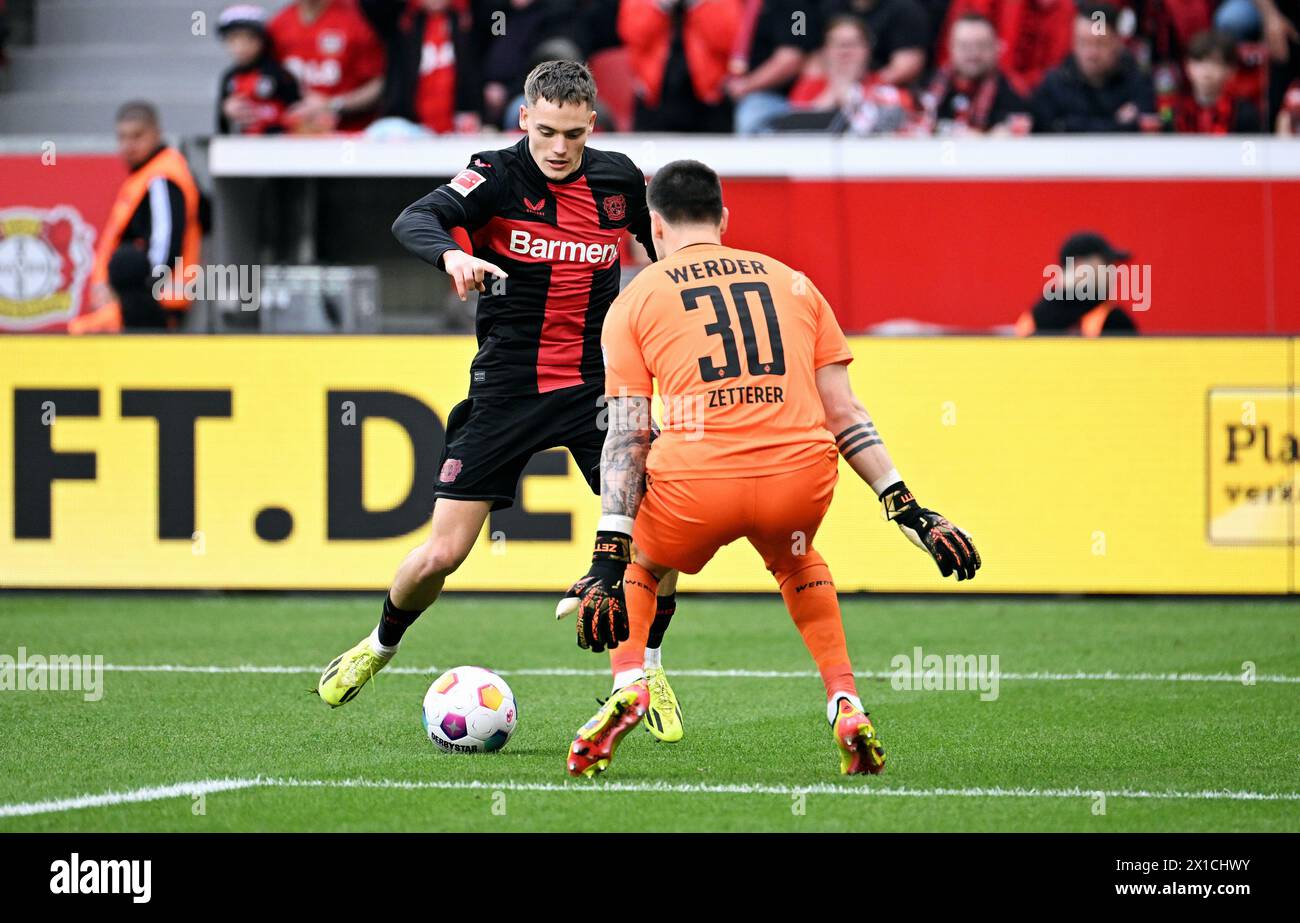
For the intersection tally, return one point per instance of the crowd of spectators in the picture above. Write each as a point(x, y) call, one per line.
point(917, 67)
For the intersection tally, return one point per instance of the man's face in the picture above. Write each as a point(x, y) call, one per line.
point(1208, 77)
point(136, 140)
point(1088, 272)
point(973, 48)
point(847, 52)
point(1096, 54)
point(557, 135)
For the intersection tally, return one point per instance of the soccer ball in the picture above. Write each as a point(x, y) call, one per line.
point(469, 710)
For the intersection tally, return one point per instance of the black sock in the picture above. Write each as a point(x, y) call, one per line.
point(665, 606)
point(394, 622)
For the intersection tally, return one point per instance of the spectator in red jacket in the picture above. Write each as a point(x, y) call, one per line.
point(679, 51)
point(338, 60)
point(970, 94)
point(1208, 106)
point(1035, 35)
point(861, 103)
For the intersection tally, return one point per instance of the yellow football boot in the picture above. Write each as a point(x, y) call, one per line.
point(348, 672)
point(663, 718)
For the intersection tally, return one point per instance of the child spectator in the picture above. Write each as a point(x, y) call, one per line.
point(1207, 106)
point(256, 92)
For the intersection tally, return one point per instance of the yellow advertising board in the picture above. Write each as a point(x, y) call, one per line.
point(1110, 466)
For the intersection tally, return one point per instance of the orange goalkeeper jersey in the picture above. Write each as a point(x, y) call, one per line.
point(734, 339)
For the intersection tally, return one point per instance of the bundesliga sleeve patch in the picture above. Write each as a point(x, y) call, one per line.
point(466, 181)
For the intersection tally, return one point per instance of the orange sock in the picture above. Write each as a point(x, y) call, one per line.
point(815, 607)
point(639, 591)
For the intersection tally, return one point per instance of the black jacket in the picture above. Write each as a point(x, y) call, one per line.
point(1060, 316)
point(1065, 102)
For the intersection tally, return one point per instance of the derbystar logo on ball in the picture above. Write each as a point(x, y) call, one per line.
point(469, 710)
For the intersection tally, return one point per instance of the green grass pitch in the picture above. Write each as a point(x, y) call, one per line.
point(1188, 754)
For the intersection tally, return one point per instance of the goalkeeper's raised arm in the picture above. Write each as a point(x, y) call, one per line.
point(864, 450)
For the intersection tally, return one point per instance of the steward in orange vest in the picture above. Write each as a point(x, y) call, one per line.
point(1089, 316)
point(154, 223)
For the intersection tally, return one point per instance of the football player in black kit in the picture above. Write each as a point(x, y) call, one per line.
point(545, 216)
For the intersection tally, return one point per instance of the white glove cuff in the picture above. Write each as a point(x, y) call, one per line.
point(888, 479)
point(613, 522)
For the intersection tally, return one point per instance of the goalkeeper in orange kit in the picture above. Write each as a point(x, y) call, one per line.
point(752, 373)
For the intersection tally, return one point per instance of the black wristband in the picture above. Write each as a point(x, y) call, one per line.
point(612, 547)
point(898, 501)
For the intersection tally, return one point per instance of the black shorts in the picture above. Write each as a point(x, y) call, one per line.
point(491, 439)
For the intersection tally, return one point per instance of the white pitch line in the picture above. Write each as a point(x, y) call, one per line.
point(135, 796)
point(209, 786)
point(1036, 676)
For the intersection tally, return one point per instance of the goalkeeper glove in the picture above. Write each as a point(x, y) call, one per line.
point(951, 548)
point(602, 610)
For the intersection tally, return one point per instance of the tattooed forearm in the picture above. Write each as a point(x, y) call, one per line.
point(622, 461)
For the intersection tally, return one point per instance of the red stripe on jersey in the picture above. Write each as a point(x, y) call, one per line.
point(559, 349)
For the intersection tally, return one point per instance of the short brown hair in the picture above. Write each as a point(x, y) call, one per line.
point(137, 110)
point(561, 83)
point(1213, 43)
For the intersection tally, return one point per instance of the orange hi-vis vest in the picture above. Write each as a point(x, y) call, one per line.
point(1089, 325)
point(167, 164)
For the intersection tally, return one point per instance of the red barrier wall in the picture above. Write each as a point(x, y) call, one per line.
point(970, 254)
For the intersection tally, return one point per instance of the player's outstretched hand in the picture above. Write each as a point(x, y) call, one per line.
point(467, 272)
point(598, 596)
point(951, 548)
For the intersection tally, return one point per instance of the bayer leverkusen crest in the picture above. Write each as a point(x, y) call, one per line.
point(45, 258)
point(615, 207)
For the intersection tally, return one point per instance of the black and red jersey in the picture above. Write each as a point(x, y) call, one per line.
point(268, 86)
point(538, 330)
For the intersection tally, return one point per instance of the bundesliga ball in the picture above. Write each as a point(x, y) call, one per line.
point(469, 710)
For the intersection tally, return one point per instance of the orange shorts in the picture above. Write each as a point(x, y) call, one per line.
point(682, 523)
